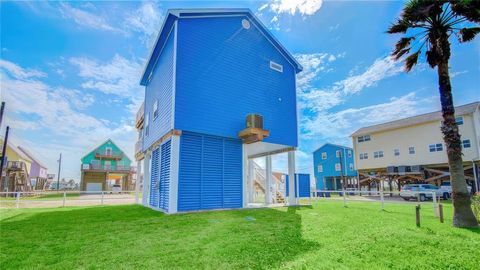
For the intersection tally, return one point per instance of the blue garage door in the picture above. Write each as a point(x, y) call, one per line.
point(304, 184)
point(210, 173)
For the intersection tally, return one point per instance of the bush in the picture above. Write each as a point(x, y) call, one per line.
point(476, 205)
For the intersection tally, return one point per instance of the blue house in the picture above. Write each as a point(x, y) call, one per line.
point(208, 71)
point(330, 163)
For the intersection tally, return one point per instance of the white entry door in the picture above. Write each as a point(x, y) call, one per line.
point(94, 187)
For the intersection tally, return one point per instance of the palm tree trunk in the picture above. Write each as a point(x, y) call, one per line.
point(462, 211)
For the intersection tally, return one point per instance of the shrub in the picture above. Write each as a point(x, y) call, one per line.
point(476, 205)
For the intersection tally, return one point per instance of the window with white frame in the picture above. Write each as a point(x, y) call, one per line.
point(146, 124)
point(459, 120)
point(324, 155)
point(396, 152)
point(320, 168)
point(337, 153)
point(438, 147)
point(363, 155)
point(378, 154)
point(155, 109)
point(349, 153)
point(337, 167)
point(276, 66)
point(350, 166)
point(364, 138)
point(466, 144)
point(411, 150)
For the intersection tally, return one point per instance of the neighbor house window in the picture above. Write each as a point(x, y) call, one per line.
point(364, 138)
point(435, 147)
point(466, 143)
point(324, 155)
point(108, 151)
point(337, 153)
point(411, 150)
point(276, 66)
point(320, 168)
point(364, 156)
point(378, 154)
point(459, 120)
point(349, 153)
point(396, 152)
point(350, 166)
point(155, 109)
point(337, 167)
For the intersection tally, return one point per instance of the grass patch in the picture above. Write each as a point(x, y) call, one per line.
point(325, 236)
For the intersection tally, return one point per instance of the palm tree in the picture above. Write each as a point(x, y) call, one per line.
point(427, 26)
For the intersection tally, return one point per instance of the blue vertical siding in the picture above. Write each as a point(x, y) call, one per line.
point(161, 88)
point(154, 185)
point(329, 164)
point(224, 74)
point(165, 176)
point(210, 172)
point(303, 185)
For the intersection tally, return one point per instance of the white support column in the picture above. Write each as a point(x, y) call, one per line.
point(291, 178)
point(250, 181)
point(245, 177)
point(146, 179)
point(174, 168)
point(137, 181)
point(268, 180)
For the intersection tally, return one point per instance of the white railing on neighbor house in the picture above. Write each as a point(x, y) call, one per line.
point(106, 167)
point(35, 199)
point(377, 196)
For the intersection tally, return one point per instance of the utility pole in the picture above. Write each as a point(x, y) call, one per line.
point(2, 162)
point(1, 112)
point(58, 176)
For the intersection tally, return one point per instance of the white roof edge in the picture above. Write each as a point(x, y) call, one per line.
point(416, 119)
point(338, 145)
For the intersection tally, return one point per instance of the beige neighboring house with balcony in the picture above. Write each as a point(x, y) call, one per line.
point(139, 155)
point(412, 149)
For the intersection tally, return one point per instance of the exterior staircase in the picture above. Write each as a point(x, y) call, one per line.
point(277, 184)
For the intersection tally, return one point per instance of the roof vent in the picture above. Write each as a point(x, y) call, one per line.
point(245, 24)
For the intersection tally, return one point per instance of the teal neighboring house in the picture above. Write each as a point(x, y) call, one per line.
point(105, 167)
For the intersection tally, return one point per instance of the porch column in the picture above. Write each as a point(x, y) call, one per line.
point(291, 178)
point(146, 179)
point(268, 180)
point(137, 181)
point(250, 180)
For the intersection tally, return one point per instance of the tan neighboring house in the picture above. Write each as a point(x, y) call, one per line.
point(412, 149)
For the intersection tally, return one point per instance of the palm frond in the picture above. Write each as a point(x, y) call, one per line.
point(411, 61)
point(469, 9)
point(468, 34)
point(401, 26)
point(402, 44)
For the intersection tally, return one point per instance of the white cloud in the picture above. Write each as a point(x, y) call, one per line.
point(456, 73)
point(147, 20)
point(58, 115)
point(313, 64)
point(87, 19)
point(292, 7)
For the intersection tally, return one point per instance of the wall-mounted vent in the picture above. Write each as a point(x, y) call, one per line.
point(276, 66)
point(245, 24)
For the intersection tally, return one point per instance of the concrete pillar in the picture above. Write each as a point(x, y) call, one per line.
point(146, 179)
point(268, 180)
point(251, 180)
point(291, 178)
point(137, 181)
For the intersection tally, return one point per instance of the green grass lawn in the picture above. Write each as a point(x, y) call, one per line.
point(325, 236)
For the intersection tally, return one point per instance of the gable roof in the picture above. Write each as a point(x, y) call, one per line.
point(174, 14)
point(32, 157)
point(415, 120)
point(337, 145)
point(108, 140)
point(16, 149)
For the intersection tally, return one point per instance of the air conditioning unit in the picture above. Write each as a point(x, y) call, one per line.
point(254, 121)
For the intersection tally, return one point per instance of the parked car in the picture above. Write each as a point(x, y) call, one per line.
point(445, 190)
point(422, 192)
point(116, 188)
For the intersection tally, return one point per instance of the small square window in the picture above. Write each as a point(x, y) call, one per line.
point(320, 168)
point(361, 156)
point(350, 166)
point(396, 152)
point(439, 147)
point(155, 109)
point(431, 147)
point(337, 167)
point(459, 120)
point(349, 153)
point(411, 150)
point(466, 144)
point(366, 138)
point(324, 155)
point(337, 153)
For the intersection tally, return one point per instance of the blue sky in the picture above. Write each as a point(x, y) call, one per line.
point(70, 71)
